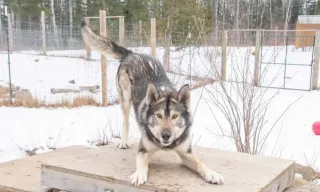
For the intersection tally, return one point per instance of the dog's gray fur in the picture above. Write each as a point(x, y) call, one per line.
point(162, 111)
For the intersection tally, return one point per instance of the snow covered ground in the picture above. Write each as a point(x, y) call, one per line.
point(24, 129)
point(40, 74)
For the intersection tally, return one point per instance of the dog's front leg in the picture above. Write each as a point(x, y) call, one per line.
point(141, 174)
point(192, 162)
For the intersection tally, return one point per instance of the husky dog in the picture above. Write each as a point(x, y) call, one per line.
point(161, 111)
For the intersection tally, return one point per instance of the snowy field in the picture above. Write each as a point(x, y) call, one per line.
point(24, 129)
point(40, 74)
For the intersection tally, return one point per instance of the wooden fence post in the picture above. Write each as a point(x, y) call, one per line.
point(103, 32)
point(224, 42)
point(43, 27)
point(1, 40)
point(257, 58)
point(315, 67)
point(153, 40)
point(140, 32)
point(87, 20)
point(121, 31)
point(10, 32)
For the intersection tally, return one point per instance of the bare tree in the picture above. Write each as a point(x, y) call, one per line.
point(288, 15)
point(243, 105)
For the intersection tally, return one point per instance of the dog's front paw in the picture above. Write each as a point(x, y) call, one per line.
point(139, 177)
point(123, 144)
point(212, 177)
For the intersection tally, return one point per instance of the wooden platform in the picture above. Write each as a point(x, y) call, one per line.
point(80, 169)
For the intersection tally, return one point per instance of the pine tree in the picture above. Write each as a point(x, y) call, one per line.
point(296, 10)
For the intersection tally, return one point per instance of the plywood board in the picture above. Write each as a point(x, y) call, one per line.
point(108, 166)
point(242, 172)
point(23, 175)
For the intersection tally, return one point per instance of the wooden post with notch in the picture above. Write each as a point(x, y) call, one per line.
point(224, 42)
point(315, 67)
point(43, 27)
point(153, 40)
point(10, 32)
point(87, 20)
point(103, 32)
point(257, 58)
point(121, 31)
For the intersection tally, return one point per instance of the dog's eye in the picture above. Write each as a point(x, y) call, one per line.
point(175, 116)
point(159, 115)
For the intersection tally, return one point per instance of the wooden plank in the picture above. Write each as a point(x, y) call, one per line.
point(153, 37)
point(110, 166)
point(242, 172)
point(23, 175)
point(64, 90)
point(71, 182)
point(103, 32)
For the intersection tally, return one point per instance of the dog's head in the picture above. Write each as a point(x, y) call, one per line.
point(168, 114)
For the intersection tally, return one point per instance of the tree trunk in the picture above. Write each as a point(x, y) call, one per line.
point(271, 19)
point(55, 30)
point(288, 14)
point(216, 20)
point(237, 4)
point(70, 18)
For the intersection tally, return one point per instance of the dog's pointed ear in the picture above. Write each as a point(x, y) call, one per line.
point(184, 95)
point(152, 94)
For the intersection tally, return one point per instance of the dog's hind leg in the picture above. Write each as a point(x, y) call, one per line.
point(124, 91)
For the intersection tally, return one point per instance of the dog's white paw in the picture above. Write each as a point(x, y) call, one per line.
point(123, 144)
point(139, 177)
point(212, 177)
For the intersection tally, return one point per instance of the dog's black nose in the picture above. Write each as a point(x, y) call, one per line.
point(165, 135)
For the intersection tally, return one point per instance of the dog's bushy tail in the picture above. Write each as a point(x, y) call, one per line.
point(104, 45)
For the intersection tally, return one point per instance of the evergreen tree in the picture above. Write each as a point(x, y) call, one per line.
point(296, 10)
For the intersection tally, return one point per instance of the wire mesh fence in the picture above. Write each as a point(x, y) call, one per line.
point(188, 58)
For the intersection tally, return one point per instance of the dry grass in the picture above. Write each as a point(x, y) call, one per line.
point(84, 101)
point(31, 102)
point(21, 99)
point(105, 136)
point(202, 82)
point(25, 99)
